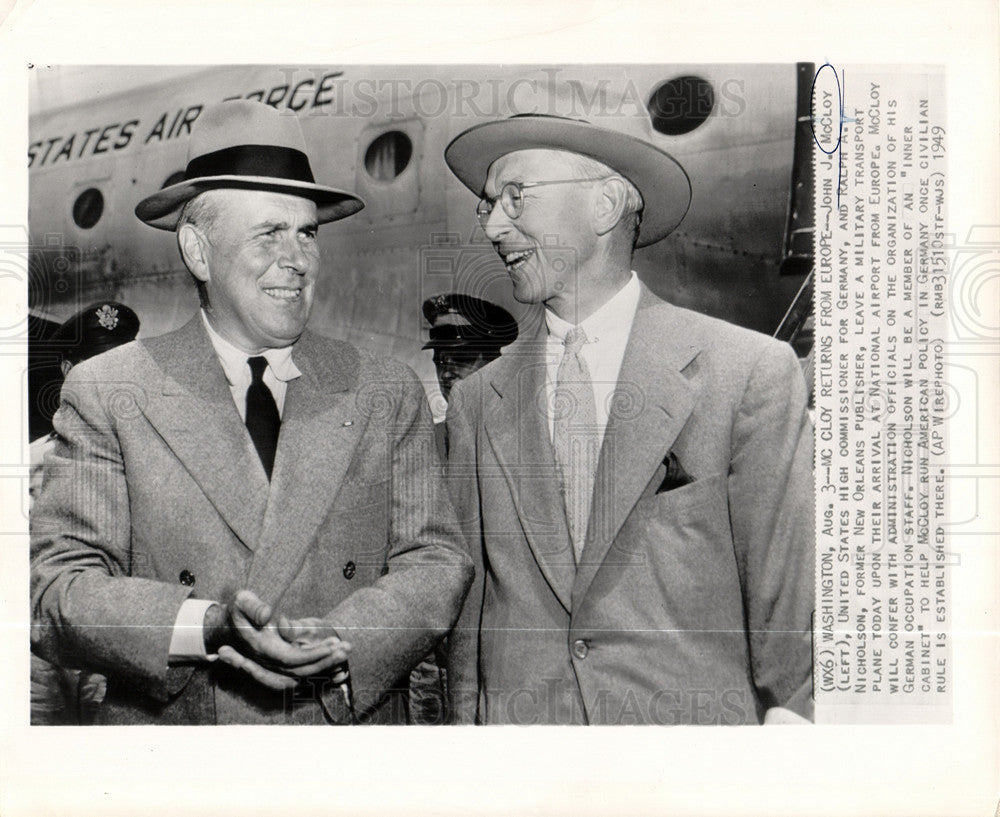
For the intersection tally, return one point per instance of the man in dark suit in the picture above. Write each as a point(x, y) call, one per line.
point(466, 333)
point(235, 509)
point(634, 478)
point(63, 697)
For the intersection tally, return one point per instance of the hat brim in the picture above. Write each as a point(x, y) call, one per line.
point(664, 184)
point(162, 210)
point(473, 344)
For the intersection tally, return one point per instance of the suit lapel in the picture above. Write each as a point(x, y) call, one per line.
point(191, 407)
point(653, 401)
point(320, 428)
point(516, 425)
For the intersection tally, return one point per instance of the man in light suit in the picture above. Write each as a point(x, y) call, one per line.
point(634, 479)
point(243, 522)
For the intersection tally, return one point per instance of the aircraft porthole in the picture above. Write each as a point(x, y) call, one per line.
point(174, 178)
point(680, 105)
point(88, 208)
point(388, 155)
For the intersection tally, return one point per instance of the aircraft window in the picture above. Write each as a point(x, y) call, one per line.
point(681, 104)
point(87, 208)
point(174, 178)
point(388, 155)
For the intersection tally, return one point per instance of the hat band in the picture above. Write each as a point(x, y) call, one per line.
point(462, 333)
point(252, 160)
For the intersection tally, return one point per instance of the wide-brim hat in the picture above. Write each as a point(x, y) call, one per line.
point(664, 184)
point(247, 145)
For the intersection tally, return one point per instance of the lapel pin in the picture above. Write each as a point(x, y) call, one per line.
point(348, 423)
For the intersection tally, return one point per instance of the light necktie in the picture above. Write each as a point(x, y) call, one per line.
point(575, 435)
point(262, 418)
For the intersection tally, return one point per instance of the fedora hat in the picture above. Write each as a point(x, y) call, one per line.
point(625, 148)
point(247, 145)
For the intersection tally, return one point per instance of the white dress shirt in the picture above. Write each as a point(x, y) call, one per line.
point(187, 642)
point(607, 332)
point(37, 451)
point(280, 369)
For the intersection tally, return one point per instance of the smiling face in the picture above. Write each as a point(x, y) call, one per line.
point(545, 247)
point(258, 259)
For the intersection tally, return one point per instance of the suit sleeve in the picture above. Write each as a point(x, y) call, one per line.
point(773, 522)
point(397, 620)
point(86, 608)
point(463, 644)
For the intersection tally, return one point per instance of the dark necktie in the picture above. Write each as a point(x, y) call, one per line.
point(262, 419)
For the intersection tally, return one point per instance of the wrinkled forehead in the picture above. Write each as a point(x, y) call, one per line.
point(246, 206)
point(535, 165)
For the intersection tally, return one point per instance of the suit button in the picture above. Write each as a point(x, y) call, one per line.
point(186, 578)
point(349, 570)
point(580, 648)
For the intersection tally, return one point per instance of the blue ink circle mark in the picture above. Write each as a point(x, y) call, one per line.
point(840, 110)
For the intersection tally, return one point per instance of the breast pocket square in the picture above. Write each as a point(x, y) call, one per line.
point(676, 476)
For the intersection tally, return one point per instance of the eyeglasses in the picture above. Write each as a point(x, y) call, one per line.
point(511, 197)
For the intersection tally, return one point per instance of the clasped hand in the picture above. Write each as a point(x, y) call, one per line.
point(273, 650)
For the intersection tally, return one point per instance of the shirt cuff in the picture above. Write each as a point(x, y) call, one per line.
point(779, 716)
point(187, 643)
